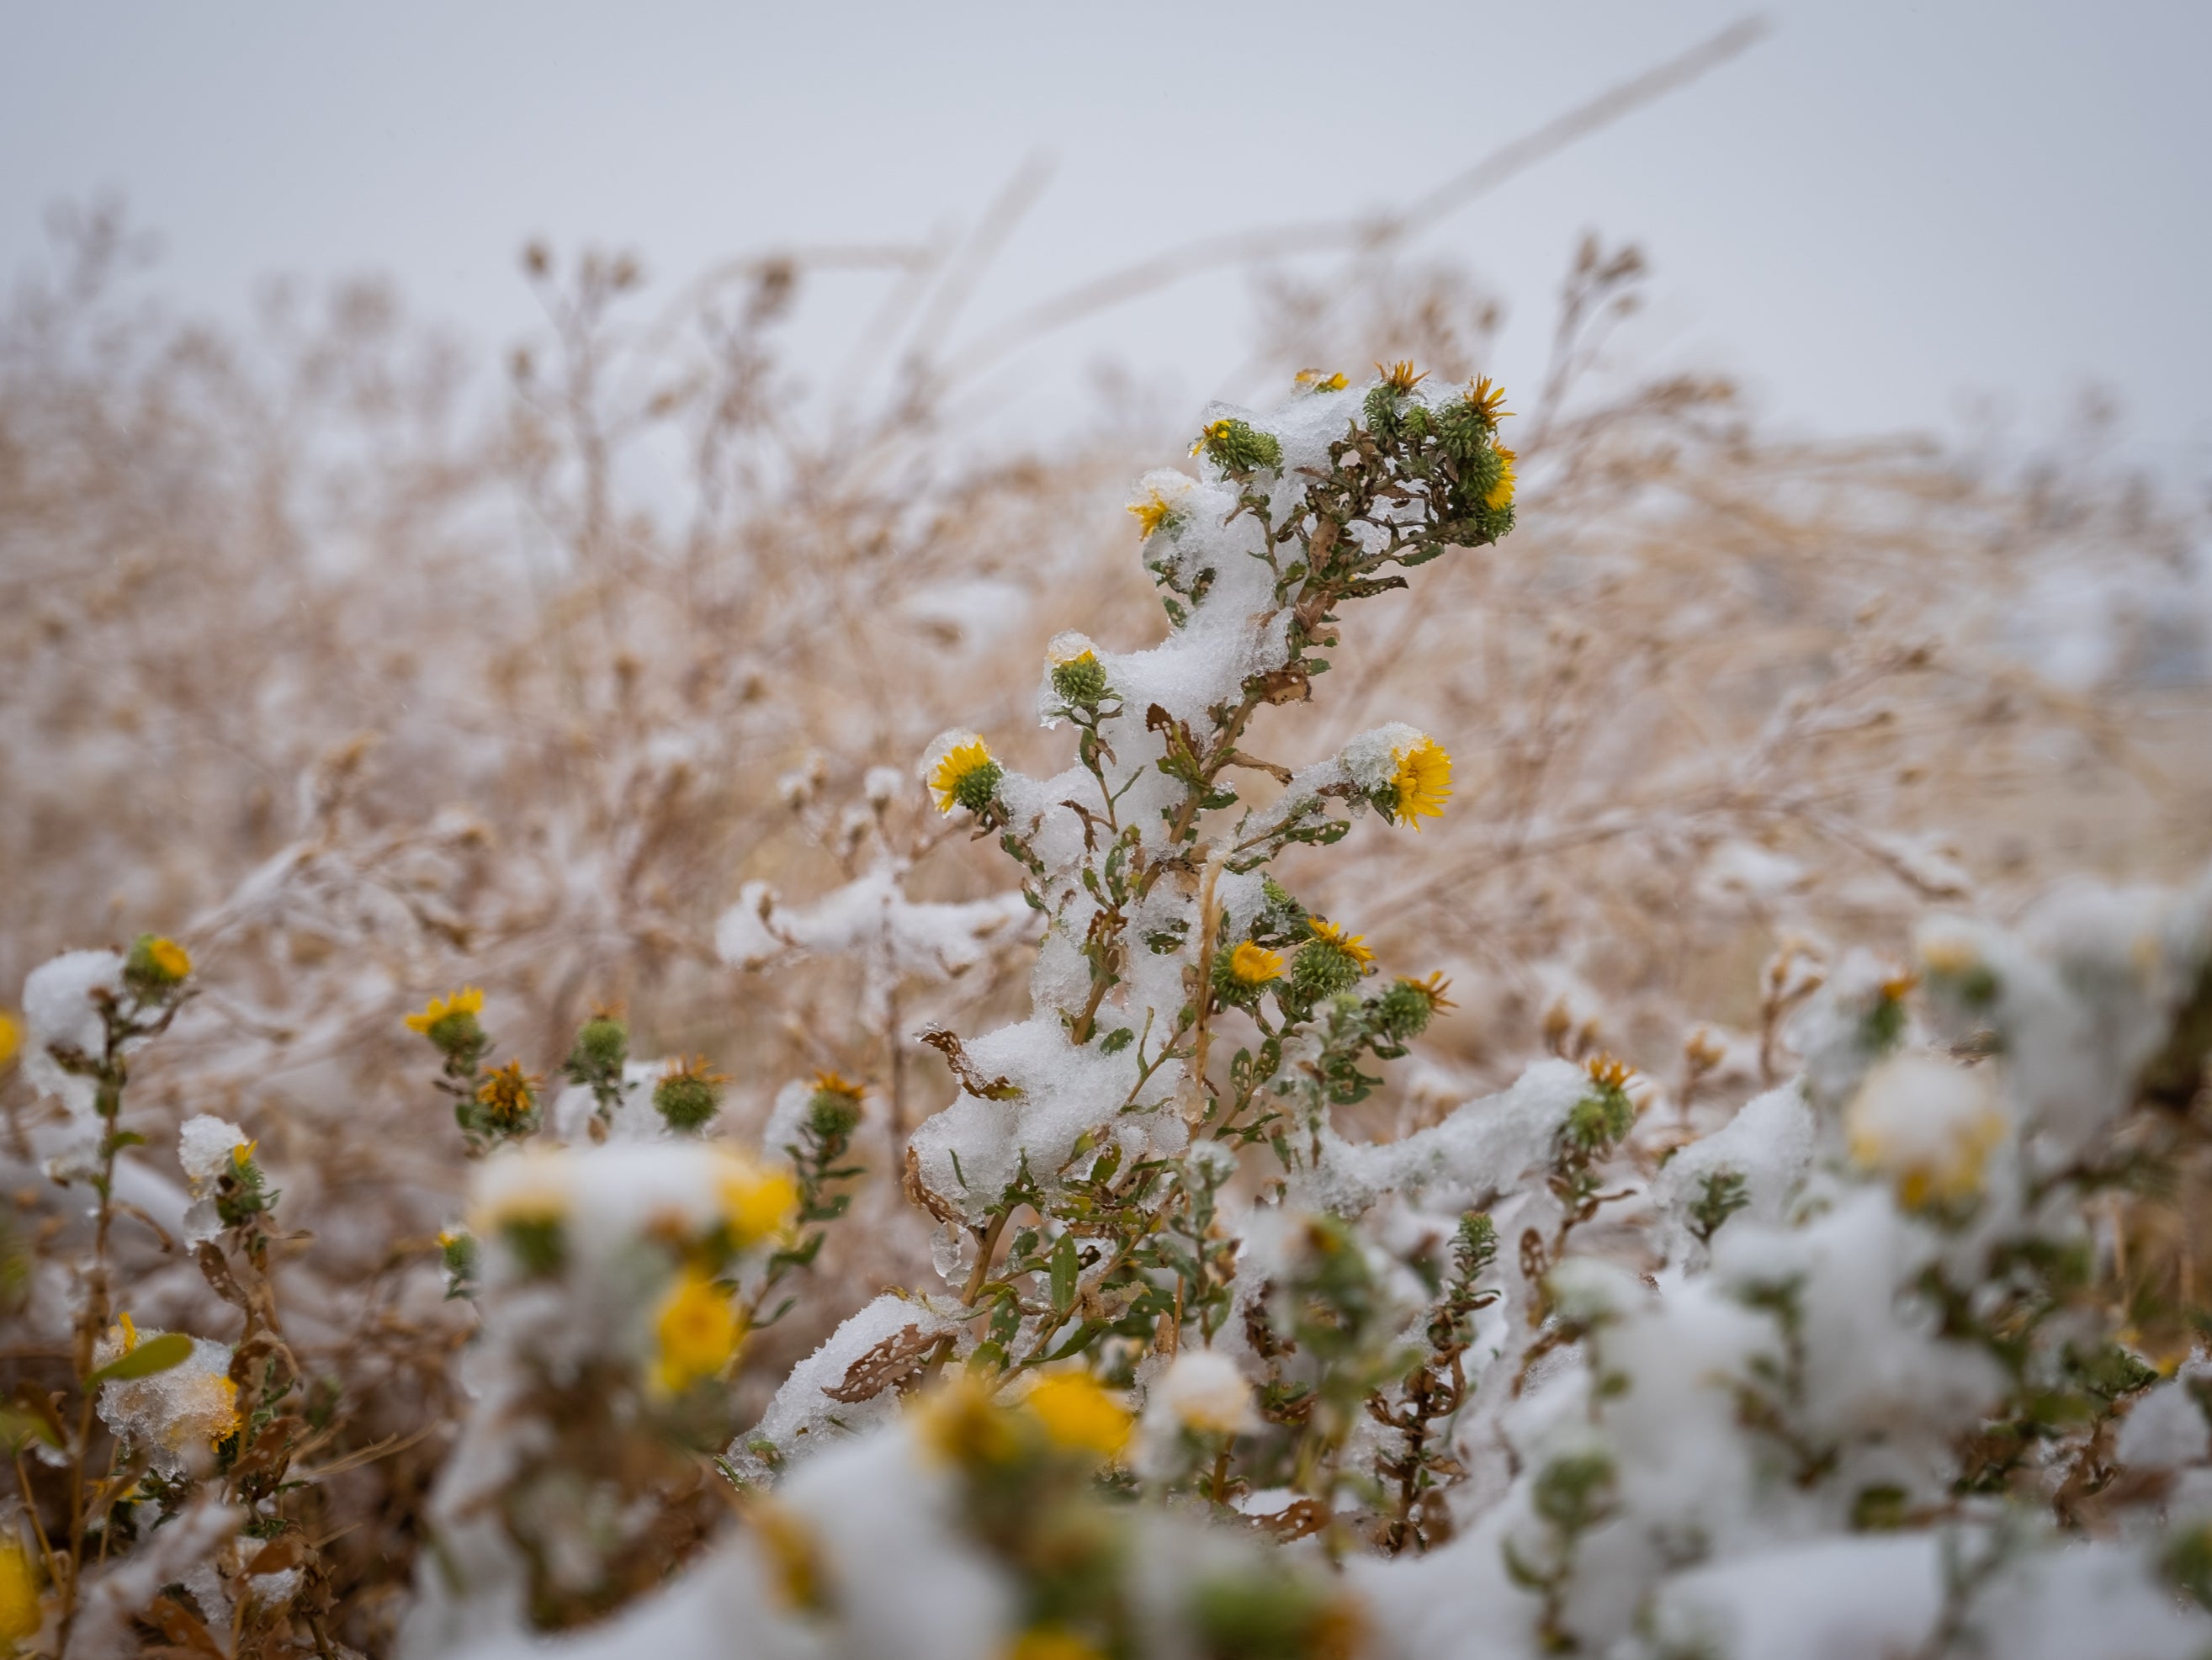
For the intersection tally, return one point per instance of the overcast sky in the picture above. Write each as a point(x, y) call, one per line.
point(1881, 212)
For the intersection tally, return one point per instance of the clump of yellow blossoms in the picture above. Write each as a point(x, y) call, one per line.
point(1314, 381)
point(696, 1333)
point(1421, 782)
point(966, 775)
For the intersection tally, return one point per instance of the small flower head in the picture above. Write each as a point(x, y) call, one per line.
point(1331, 962)
point(450, 1023)
point(11, 1039)
point(965, 774)
point(1421, 781)
point(1254, 965)
point(696, 1332)
point(1499, 495)
point(1317, 380)
point(1079, 679)
point(1487, 400)
point(1237, 446)
point(1406, 1008)
point(1155, 512)
point(758, 1202)
point(1400, 377)
point(1607, 1072)
point(1927, 1126)
point(156, 964)
point(506, 1100)
point(1352, 946)
point(1078, 1413)
point(688, 1097)
point(602, 1046)
point(833, 1111)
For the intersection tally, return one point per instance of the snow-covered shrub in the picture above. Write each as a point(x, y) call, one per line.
point(1588, 1365)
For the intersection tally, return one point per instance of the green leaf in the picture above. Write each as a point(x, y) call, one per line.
point(1063, 1270)
point(171, 1349)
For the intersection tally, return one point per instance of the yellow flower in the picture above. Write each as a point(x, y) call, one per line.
point(1151, 513)
point(1400, 376)
point(1316, 381)
point(1606, 1072)
point(757, 1202)
point(507, 1095)
point(19, 1595)
point(1422, 781)
point(211, 1408)
point(1254, 965)
point(961, 1425)
point(11, 1038)
point(1488, 399)
point(1928, 1125)
point(125, 1332)
point(1053, 1643)
point(696, 1333)
point(169, 957)
point(1077, 1413)
point(468, 999)
point(1351, 944)
point(961, 763)
point(829, 1083)
point(1501, 493)
point(1210, 435)
point(242, 1154)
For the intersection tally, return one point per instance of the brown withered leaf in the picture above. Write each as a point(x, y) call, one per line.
point(971, 1078)
point(890, 1362)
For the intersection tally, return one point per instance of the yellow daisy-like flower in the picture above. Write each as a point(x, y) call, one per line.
point(169, 957)
point(242, 1154)
point(1211, 434)
point(1254, 965)
point(19, 1595)
point(960, 763)
point(758, 1203)
point(507, 1094)
point(831, 1083)
point(1314, 381)
point(696, 1332)
point(468, 999)
point(11, 1038)
point(1400, 376)
point(1422, 781)
point(1500, 494)
point(1078, 1413)
point(1350, 944)
point(1155, 510)
point(1488, 399)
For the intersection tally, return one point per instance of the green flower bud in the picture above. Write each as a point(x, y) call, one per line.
point(689, 1098)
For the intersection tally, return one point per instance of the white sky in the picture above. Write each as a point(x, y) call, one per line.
point(1882, 210)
